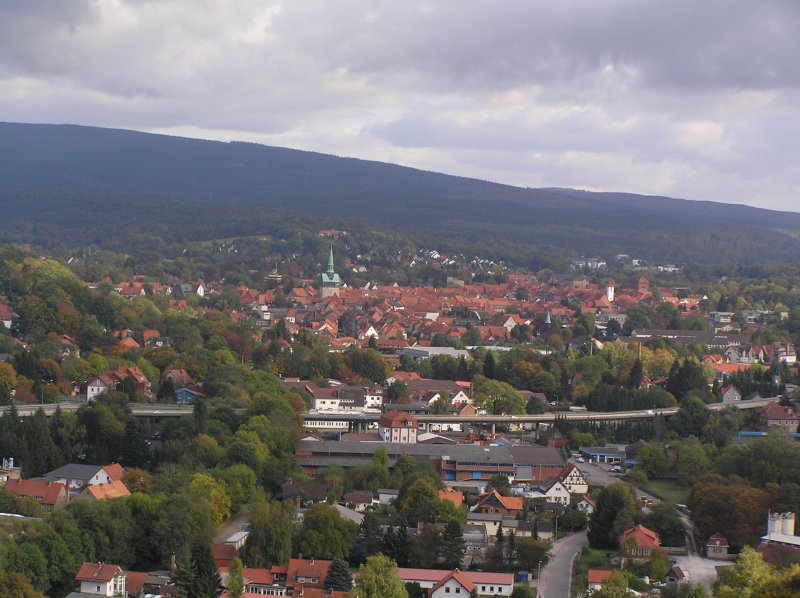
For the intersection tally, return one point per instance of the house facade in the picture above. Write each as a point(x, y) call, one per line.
point(494, 502)
point(639, 542)
point(398, 427)
point(101, 579)
point(573, 480)
point(717, 547)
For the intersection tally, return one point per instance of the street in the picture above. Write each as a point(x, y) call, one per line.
point(556, 579)
point(699, 569)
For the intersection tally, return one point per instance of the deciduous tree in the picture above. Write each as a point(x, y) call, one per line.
point(378, 579)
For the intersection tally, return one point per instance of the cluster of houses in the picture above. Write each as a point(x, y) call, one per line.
point(300, 577)
point(55, 489)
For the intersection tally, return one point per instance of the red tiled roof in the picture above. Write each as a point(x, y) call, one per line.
point(641, 536)
point(718, 540)
point(510, 503)
point(306, 569)
point(434, 575)
point(115, 471)
point(599, 575)
point(459, 577)
point(223, 554)
point(98, 572)
point(115, 489)
point(395, 419)
point(454, 496)
point(47, 493)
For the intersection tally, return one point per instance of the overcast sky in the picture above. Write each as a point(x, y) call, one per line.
point(684, 98)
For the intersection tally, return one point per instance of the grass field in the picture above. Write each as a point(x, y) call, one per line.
point(590, 558)
point(669, 490)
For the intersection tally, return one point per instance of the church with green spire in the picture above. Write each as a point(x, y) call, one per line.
point(330, 279)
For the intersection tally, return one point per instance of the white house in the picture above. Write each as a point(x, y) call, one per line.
point(441, 583)
point(553, 491)
point(573, 480)
point(100, 579)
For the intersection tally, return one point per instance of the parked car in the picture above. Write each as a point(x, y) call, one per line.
point(581, 460)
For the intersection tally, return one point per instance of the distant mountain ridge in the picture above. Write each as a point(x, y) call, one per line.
point(60, 162)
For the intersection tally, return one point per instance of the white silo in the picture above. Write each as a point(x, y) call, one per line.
point(774, 524)
point(788, 524)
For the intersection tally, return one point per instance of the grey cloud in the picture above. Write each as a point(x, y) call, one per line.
point(681, 97)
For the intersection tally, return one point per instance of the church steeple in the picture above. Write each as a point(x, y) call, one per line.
point(330, 260)
point(330, 280)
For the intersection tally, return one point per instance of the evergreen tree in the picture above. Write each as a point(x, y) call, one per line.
point(489, 365)
point(453, 545)
point(369, 539)
point(135, 452)
point(200, 413)
point(339, 577)
point(205, 581)
point(43, 455)
point(616, 505)
point(636, 375)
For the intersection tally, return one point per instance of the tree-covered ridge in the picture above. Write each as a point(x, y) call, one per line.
point(44, 167)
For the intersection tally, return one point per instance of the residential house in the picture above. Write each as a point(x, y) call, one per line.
point(387, 496)
point(115, 380)
point(573, 480)
point(490, 521)
point(486, 584)
point(717, 547)
point(95, 492)
point(305, 493)
point(596, 578)
point(361, 499)
point(677, 575)
point(7, 316)
point(552, 490)
point(398, 427)
point(586, 504)
point(189, 395)
point(552, 437)
point(544, 531)
point(76, 476)
point(101, 579)
point(494, 502)
point(454, 496)
point(306, 573)
point(223, 554)
point(51, 495)
point(775, 415)
point(639, 542)
point(178, 377)
point(452, 584)
point(8, 471)
point(729, 394)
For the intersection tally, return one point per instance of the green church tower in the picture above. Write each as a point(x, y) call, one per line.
point(330, 279)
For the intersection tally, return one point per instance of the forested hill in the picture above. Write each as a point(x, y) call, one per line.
point(51, 169)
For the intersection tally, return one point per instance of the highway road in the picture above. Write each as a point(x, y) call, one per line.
point(171, 410)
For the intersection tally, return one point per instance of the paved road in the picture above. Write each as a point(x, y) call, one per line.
point(699, 569)
point(233, 526)
point(556, 580)
point(599, 474)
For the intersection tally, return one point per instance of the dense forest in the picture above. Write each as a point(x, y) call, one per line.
point(56, 176)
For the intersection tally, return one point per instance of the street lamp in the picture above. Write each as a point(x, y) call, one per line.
point(538, 578)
